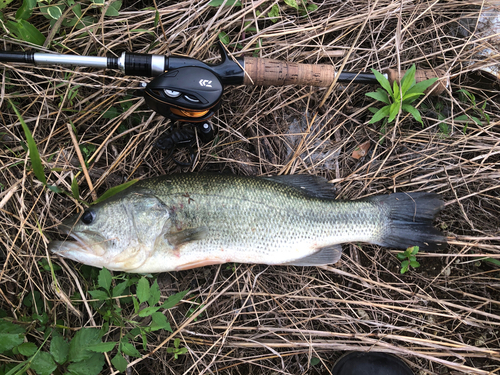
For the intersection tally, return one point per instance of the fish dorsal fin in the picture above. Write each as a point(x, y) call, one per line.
point(313, 186)
point(184, 236)
point(325, 255)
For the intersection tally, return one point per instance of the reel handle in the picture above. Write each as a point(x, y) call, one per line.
point(268, 72)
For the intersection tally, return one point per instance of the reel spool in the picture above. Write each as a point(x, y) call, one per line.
point(187, 94)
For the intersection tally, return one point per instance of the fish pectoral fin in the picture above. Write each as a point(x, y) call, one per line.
point(184, 236)
point(325, 255)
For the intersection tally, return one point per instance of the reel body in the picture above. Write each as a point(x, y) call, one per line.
point(189, 95)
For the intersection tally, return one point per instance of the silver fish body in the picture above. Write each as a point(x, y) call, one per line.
point(190, 220)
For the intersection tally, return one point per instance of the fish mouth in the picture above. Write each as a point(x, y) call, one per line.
point(73, 245)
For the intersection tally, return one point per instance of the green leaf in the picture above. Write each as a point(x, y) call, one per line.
point(408, 79)
point(395, 89)
point(159, 321)
point(141, 31)
point(43, 363)
point(405, 263)
point(312, 7)
point(381, 113)
point(476, 120)
point(414, 112)
point(155, 294)
point(75, 190)
point(119, 289)
point(401, 256)
point(90, 366)
point(174, 299)
point(36, 162)
point(218, 3)
point(25, 31)
point(420, 87)
point(380, 96)
point(78, 347)
point(102, 347)
point(115, 190)
point(383, 81)
point(410, 98)
point(157, 18)
point(98, 2)
point(113, 9)
point(148, 311)
point(274, 13)
point(99, 295)
point(11, 335)
point(4, 3)
point(104, 279)
point(112, 112)
point(77, 10)
point(224, 38)
point(27, 349)
point(414, 250)
point(119, 362)
point(143, 291)
point(493, 261)
point(55, 189)
point(129, 349)
point(59, 349)
point(54, 11)
point(136, 304)
point(414, 264)
point(25, 10)
point(394, 110)
point(315, 361)
point(292, 3)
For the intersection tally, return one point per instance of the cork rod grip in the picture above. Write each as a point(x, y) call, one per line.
point(421, 75)
point(267, 72)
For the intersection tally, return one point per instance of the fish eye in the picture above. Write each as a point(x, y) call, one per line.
point(88, 217)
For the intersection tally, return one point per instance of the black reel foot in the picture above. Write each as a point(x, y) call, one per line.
point(185, 137)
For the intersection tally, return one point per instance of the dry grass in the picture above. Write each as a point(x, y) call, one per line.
point(443, 318)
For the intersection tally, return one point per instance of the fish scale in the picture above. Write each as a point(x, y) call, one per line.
point(184, 221)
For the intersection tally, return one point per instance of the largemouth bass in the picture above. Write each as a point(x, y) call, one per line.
point(185, 221)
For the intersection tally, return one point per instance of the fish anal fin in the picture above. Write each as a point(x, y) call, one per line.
point(199, 263)
point(325, 255)
point(179, 238)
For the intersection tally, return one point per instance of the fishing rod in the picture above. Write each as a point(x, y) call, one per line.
point(188, 90)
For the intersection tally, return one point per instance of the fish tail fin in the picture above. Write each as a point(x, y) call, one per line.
point(409, 220)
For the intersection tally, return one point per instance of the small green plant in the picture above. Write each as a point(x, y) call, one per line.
point(176, 351)
point(54, 10)
point(197, 306)
point(478, 113)
point(408, 259)
point(134, 315)
point(146, 305)
point(398, 97)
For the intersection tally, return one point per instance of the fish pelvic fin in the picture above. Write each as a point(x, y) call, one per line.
point(325, 255)
point(409, 220)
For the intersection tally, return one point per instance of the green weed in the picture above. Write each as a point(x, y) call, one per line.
point(408, 259)
point(83, 354)
point(398, 97)
point(22, 29)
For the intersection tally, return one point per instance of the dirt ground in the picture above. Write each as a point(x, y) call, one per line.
point(442, 318)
